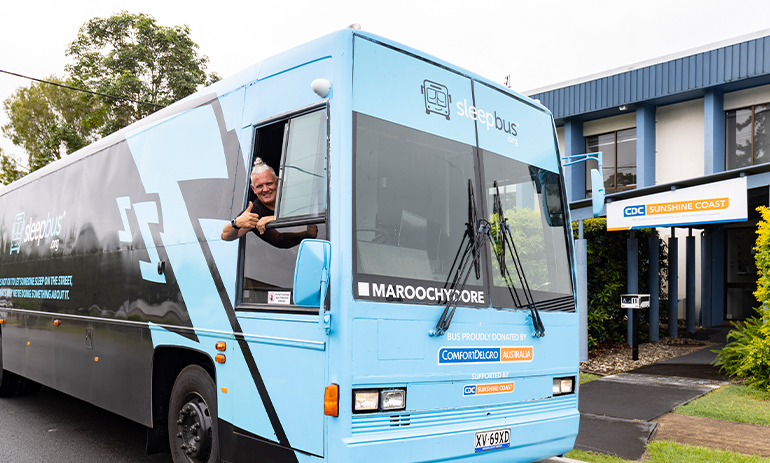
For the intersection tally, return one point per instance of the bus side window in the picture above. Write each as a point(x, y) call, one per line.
point(303, 173)
point(297, 149)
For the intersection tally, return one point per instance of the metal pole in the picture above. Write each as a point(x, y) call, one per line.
point(632, 262)
point(705, 280)
point(690, 282)
point(581, 261)
point(673, 284)
point(654, 245)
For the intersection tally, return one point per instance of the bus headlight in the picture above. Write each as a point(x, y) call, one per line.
point(378, 400)
point(365, 401)
point(563, 386)
point(394, 399)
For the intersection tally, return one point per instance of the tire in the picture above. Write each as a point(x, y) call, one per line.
point(192, 418)
point(8, 381)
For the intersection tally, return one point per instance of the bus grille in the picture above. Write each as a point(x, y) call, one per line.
point(562, 304)
point(458, 416)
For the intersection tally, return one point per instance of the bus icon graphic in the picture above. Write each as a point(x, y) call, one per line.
point(437, 98)
point(18, 229)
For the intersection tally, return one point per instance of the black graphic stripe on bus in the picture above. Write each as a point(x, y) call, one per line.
point(187, 188)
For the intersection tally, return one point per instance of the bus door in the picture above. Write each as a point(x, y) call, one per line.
point(288, 345)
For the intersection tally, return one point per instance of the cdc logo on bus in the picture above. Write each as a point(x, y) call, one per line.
point(634, 211)
point(469, 390)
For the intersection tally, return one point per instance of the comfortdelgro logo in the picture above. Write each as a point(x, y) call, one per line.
point(634, 211)
point(450, 355)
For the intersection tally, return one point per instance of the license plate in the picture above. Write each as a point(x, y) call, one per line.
point(491, 440)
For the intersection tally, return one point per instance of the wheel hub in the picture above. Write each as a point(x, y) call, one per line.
point(194, 429)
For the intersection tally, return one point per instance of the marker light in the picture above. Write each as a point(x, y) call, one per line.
point(394, 399)
point(220, 358)
point(332, 400)
point(563, 386)
point(221, 346)
point(56, 323)
point(366, 401)
point(321, 87)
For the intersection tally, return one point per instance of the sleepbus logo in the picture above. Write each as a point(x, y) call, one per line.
point(16, 234)
point(437, 98)
point(634, 211)
point(34, 231)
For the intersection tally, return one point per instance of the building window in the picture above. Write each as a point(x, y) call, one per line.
point(618, 160)
point(747, 136)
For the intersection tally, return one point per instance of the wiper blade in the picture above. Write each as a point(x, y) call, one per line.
point(464, 272)
point(471, 246)
point(503, 239)
point(476, 232)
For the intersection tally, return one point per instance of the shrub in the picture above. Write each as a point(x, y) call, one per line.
point(607, 280)
point(748, 355)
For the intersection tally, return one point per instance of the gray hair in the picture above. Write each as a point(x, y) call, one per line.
point(260, 166)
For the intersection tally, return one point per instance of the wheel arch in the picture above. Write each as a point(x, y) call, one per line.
point(167, 363)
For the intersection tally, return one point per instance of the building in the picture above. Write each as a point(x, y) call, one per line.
point(696, 118)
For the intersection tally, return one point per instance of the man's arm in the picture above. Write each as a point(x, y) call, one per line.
point(286, 240)
point(245, 222)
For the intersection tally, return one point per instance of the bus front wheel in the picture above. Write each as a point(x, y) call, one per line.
point(192, 418)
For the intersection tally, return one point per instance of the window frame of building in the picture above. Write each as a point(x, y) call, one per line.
point(609, 162)
point(731, 159)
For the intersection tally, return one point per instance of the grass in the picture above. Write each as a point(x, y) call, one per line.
point(732, 403)
point(586, 377)
point(670, 452)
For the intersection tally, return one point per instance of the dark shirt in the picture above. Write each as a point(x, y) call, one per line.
point(272, 236)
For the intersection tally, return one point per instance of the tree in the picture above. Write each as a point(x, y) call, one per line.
point(128, 56)
point(9, 169)
point(131, 56)
point(47, 121)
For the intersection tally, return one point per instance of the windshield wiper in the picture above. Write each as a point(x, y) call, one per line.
point(477, 233)
point(503, 239)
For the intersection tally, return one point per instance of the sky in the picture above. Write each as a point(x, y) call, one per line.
point(537, 42)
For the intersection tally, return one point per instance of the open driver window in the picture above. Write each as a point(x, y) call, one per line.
point(296, 149)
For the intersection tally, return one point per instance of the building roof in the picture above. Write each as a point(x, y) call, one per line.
point(730, 65)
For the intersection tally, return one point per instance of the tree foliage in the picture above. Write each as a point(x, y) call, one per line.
point(9, 169)
point(131, 56)
point(126, 55)
point(608, 279)
point(747, 355)
point(46, 120)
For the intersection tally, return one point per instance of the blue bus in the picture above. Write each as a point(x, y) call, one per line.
point(409, 295)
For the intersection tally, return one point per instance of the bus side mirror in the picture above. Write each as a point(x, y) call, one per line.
point(597, 192)
point(311, 275)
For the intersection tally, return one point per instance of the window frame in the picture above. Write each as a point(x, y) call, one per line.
point(615, 189)
point(308, 219)
point(753, 109)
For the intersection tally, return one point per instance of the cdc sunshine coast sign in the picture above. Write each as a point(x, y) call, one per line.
point(713, 203)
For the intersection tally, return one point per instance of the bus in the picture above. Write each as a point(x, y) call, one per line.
point(427, 314)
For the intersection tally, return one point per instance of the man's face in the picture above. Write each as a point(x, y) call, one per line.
point(265, 186)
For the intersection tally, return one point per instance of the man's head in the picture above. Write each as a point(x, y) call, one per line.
point(264, 183)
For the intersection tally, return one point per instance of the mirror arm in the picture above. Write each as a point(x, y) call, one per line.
point(324, 317)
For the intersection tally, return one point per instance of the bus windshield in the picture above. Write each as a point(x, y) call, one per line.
point(411, 207)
